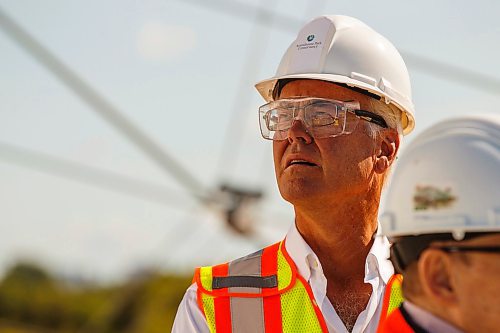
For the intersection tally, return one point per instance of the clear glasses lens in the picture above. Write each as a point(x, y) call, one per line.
point(321, 118)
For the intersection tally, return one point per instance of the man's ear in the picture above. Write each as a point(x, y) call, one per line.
point(436, 277)
point(386, 154)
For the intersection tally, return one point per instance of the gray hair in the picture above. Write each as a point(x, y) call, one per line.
point(391, 114)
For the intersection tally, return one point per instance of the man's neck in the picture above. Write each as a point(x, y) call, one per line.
point(341, 234)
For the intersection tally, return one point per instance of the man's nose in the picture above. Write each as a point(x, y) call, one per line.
point(298, 132)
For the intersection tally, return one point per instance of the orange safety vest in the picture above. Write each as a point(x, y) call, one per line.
point(395, 323)
point(263, 292)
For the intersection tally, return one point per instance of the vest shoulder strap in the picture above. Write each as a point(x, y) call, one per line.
point(393, 296)
point(267, 272)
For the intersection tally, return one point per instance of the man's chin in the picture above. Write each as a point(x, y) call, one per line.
point(297, 192)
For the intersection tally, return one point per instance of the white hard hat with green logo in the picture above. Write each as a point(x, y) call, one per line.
point(344, 50)
point(447, 181)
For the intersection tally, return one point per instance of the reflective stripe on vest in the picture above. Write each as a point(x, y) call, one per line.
point(261, 292)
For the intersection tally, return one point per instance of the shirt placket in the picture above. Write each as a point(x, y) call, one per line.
point(318, 284)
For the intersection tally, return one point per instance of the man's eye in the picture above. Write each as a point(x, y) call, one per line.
point(278, 120)
point(323, 119)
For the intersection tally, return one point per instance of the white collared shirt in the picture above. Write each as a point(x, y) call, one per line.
point(378, 270)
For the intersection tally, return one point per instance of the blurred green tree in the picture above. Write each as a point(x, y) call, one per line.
point(32, 300)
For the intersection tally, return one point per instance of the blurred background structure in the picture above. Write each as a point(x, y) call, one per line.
point(129, 143)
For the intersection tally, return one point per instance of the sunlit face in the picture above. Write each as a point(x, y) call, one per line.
point(317, 169)
point(477, 278)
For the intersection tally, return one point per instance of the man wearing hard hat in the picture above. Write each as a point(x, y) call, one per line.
point(335, 112)
point(443, 215)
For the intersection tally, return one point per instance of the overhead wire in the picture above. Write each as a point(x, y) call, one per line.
point(110, 114)
point(440, 69)
point(91, 176)
point(103, 107)
point(238, 10)
point(236, 126)
point(433, 67)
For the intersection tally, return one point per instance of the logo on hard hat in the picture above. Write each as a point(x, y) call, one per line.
point(429, 196)
point(310, 43)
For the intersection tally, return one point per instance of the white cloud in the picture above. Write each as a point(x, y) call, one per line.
point(157, 41)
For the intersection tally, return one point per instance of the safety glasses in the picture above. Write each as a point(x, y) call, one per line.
point(322, 118)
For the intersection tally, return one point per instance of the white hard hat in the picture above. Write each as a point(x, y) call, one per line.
point(447, 181)
point(344, 50)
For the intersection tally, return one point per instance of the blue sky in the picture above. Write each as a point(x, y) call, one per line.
point(183, 72)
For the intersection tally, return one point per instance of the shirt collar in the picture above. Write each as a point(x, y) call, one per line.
point(299, 251)
point(379, 256)
point(376, 264)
